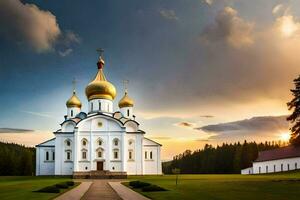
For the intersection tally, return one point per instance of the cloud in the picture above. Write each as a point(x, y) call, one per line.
point(38, 114)
point(207, 116)
point(15, 130)
point(168, 14)
point(29, 24)
point(65, 53)
point(209, 2)
point(287, 25)
point(185, 124)
point(262, 126)
point(229, 28)
point(277, 9)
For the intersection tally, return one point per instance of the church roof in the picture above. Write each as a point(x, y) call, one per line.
point(48, 143)
point(280, 153)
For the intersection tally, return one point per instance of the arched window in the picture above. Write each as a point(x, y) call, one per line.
point(281, 167)
point(83, 155)
point(71, 113)
point(99, 154)
point(116, 142)
point(100, 142)
point(266, 169)
point(130, 154)
point(296, 167)
point(128, 112)
point(145, 154)
point(99, 105)
point(68, 155)
point(259, 169)
point(92, 106)
point(274, 168)
point(116, 153)
point(68, 143)
point(84, 142)
point(288, 166)
point(47, 155)
point(150, 154)
point(53, 155)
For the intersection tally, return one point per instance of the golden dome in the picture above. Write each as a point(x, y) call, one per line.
point(126, 101)
point(100, 88)
point(73, 101)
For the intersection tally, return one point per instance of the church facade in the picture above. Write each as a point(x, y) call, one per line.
point(101, 140)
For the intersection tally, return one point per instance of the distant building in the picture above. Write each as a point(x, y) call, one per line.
point(276, 160)
point(103, 141)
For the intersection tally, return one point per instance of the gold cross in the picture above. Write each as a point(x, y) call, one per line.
point(126, 82)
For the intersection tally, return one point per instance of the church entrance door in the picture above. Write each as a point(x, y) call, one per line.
point(99, 166)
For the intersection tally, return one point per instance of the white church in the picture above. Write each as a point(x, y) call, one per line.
point(101, 142)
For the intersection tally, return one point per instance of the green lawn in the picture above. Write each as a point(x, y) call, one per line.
point(229, 187)
point(15, 187)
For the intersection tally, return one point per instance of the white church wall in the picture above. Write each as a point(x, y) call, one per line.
point(127, 112)
point(248, 170)
point(45, 166)
point(101, 105)
point(150, 160)
point(63, 164)
point(68, 126)
point(72, 112)
point(131, 126)
point(276, 165)
point(134, 144)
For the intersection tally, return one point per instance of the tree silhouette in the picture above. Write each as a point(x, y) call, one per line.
point(294, 118)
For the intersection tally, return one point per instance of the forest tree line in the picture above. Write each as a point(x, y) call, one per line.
point(16, 160)
point(224, 159)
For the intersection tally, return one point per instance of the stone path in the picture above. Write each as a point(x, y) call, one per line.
point(125, 193)
point(76, 193)
point(100, 189)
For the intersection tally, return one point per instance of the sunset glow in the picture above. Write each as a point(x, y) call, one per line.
point(285, 136)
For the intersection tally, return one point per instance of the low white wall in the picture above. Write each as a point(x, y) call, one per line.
point(248, 170)
point(276, 165)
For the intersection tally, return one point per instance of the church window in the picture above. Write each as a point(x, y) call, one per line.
point(281, 167)
point(288, 166)
point(130, 155)
point(130, 142)
point(259, 169)
point(53, 155)
point(71, 113)
point(296, 166)
point(128, 112)
point(266, 169)
point(84, 155)
point(68, 155)
point(150, 154)
point(47, 155)
point(116, 142)
point(274, 168)
point(68, 143)
point(145, 154)
point(116, 154)
point(99, 154)
point(84, 142)
point(99, 105)
point(92, 107)
point(100, 142)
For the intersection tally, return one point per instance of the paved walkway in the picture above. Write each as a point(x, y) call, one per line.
point(125, 193)
point(76, 193)
point(100, 189)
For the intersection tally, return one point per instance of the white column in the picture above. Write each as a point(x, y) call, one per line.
point(75, 151)
point(91, 151)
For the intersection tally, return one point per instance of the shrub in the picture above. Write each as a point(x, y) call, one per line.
point(49, 189)
point(153, 188)
point(138, 184)
point(70, 183)
point(63, 185)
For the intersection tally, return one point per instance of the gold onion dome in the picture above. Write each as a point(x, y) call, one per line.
point(73, 101)
point(100, 88)
point(126, 101)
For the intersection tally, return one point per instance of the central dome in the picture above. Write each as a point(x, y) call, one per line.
point(100, 88)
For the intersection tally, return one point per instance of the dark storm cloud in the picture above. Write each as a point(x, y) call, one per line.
point(255, 124)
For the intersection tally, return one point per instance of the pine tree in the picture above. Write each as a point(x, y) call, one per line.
point(294, 118)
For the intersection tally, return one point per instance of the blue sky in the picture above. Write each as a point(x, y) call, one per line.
point(199, 62)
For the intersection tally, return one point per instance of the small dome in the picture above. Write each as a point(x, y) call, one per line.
point(126, 101)
point(73, 101)
point(100, 88)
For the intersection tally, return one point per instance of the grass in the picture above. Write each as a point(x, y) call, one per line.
point(224, 187)
point(17, 187)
